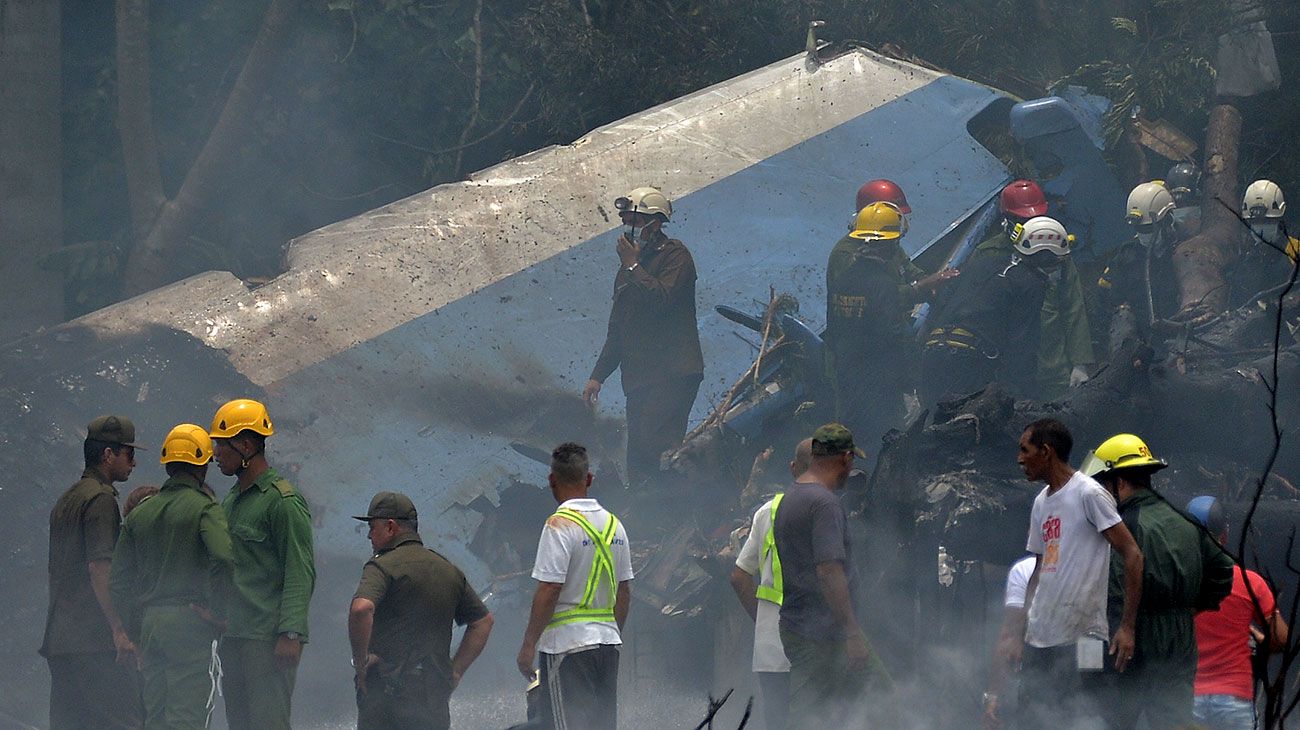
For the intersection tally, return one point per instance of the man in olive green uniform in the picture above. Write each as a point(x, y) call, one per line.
point(93, 683)
point(400, 623)
point(171, 574)
point(1065, 336)
point(1183, 571)
point(275, 573)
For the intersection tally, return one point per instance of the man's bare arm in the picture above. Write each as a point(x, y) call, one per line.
point(471, 645)
point(543, 610)
point(622, 603)
point(835, 589)
point(743, 584)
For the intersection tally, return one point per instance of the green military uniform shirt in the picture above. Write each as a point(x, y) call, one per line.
point(174, 550)
point(908, 272)
point(84, 525)
point(1065, 336)
point(275, 572)
point(417, 595)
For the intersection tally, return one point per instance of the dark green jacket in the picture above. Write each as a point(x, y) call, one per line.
point(1184, 571)
point(174, 550)
point(867, 334)
point(908, 271)
point(275, 569)
point(1065, 339)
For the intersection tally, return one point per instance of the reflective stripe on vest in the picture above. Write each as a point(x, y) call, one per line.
point(775, 592)
point(602, 567)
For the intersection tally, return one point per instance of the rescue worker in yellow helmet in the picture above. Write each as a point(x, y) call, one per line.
point(870, 352)
point(1064, 341)
point(1140, 274)
point(171, 580)
point(987, 328)
point(275, 573)
point(1184, 571)
point(1260, 264)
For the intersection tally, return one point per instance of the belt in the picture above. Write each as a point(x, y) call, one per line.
point(958, 339)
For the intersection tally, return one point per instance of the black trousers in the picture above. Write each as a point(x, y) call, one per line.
point(1054, 693)
point(93, 692)
point(949, 371)
point(656, 422)
point(580, 690)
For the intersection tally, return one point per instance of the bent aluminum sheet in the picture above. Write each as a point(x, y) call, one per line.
point(405, 348)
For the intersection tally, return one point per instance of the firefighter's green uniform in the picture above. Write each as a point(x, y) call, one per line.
point(1184, 571)
point(275, 573)
point(870, 354)
point(174, 551)
point(1065, 337)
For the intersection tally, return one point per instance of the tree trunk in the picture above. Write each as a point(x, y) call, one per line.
point(149, 267)
point(31, 164)
point(1199, 261)
point(135, 116)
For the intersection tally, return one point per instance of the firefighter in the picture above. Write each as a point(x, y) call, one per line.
point(988, 328)
point(275, 572)
point(1259, 265)
point(170, 580)
point(915, 285)
point(1140, 274)
point(1183, 571)
point(1184, 183)
point(870, 350)
point(1065, 338)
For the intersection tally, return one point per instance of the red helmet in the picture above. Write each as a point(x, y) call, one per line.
point(1024, 199)
point(883, 191)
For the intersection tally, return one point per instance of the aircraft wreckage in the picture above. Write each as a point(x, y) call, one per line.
point(438, 344)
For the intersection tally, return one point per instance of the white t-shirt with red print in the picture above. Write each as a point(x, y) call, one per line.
point(1074, 562)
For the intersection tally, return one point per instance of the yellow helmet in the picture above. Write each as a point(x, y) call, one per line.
point(188, 444)
point(879, 222)
point(1122, 451)
point(240, 415)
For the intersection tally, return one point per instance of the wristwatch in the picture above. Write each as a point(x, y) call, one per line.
point(291, 635)
point(634, 265)
point(989, 698)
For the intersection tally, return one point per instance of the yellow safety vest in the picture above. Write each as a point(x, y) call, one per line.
point(775, 592)
point(602, 570)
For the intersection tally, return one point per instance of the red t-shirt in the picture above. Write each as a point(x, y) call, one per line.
point(1223, 639)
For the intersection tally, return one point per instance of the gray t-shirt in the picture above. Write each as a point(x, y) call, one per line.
point(811, 528)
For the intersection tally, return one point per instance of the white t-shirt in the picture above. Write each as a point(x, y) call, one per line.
point(769, 655)
point(565, 555)
point(1065, 531)
point(1018, 582)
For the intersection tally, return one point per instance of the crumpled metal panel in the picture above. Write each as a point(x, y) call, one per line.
point(407, 347)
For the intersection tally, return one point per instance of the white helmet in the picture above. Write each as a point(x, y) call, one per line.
point(1040, 234)
point(646, 200)
point(1149, 203)
point(1263, 199)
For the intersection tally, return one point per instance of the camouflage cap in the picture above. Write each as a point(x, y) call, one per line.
point(834, 438)
point(389, 506)
point(113, 430)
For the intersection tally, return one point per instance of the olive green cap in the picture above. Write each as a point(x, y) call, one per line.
point(832, 439)
point(113, 430)
point(389, 506)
